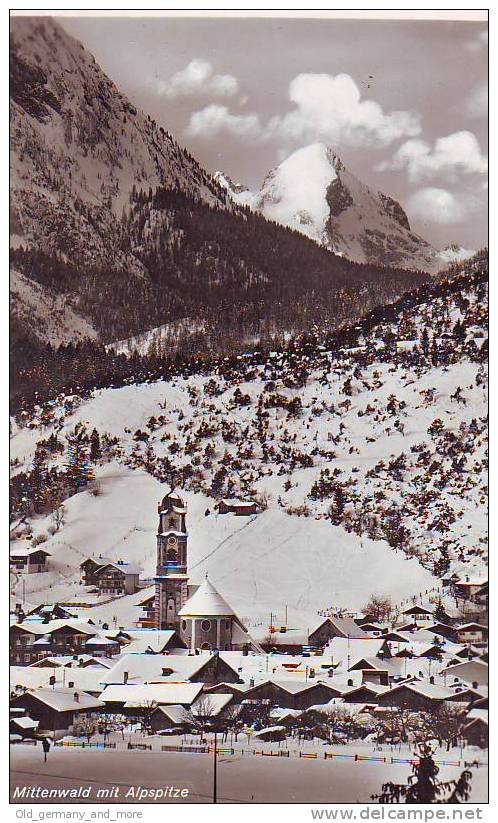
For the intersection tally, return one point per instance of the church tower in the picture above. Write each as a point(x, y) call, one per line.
point(171, 569)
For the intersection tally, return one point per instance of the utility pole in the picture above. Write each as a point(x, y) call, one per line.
point(215, 787)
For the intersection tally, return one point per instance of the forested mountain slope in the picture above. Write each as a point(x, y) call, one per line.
point(366, 448)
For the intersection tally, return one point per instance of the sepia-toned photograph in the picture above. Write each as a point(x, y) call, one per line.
point(248, 556)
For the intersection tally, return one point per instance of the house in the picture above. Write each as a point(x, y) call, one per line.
point(291, 694)
point(130, 698)
point(335, 627)
point(31, 560)
point(471, 633)
point(476, 731)
point(56, 709)
point(472, 671)
point(26, 727)
point(241, 508)
point(209, 669)
point(419, 614)
point(117, 578)
point(174, 717)
point(33, 639)
point(366, 693)
point(90, 565)
point(415, 695)
point(474, 589)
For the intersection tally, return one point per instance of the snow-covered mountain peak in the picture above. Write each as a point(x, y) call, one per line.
point(295, 193)
point(313, 192)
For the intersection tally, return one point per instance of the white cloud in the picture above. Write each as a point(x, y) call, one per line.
point(436, 206)
point(476, 104)
point(198, 77)
point(326, 109)
point(330, 108)
point(456, 153)
point(215, 119)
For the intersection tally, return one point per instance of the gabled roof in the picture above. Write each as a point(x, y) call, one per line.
point(63, 700)
point(423, 688)
point(346, 627)
point(126, 568)
point(28, 552)
point(99, 561)
point(144, 694)
point(471, 671)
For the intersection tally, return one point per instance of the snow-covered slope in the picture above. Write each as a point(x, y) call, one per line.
point(313, 192)
point(47, 314)
point(370, 460)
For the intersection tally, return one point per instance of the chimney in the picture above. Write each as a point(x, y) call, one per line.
point(76, 697)
point(474, 684)
point(125, 678)
point(251, 683)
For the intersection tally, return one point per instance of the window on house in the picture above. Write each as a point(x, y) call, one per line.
point(206, 625)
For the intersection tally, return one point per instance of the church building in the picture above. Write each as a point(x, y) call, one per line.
point(199, 614)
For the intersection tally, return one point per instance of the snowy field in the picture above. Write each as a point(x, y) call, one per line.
point(241, 779)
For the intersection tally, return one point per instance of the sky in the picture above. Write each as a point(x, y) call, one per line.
point(403, 103)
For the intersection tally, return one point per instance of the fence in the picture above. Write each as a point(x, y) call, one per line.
point(83, 745)
point(355, 757)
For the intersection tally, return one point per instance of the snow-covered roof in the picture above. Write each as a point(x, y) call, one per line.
point(175, 713)
point(207, 602)
point(126, 568)
point(25, 722)
point(342, 648)
point(145, 694)
point(479, 714)
point(269, 730)
point(471, 671)
point(425, 689)
point(28, 552)
point(63, 700)
point(155, 639)
point(101, 641)
point(211, 705)
point(88, 679)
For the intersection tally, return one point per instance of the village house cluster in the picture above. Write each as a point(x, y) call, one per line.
point(198, 664)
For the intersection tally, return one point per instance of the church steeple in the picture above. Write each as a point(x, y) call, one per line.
point(171, 568)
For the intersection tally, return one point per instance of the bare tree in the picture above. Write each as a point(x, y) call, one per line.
point(146, 716)
point(379, 607)
point(58, 515)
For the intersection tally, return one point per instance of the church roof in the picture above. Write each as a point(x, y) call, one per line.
point(207, 602)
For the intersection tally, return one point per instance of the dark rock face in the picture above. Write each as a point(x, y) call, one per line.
point(393, 208)
point(338, 197)
point(28, 88)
